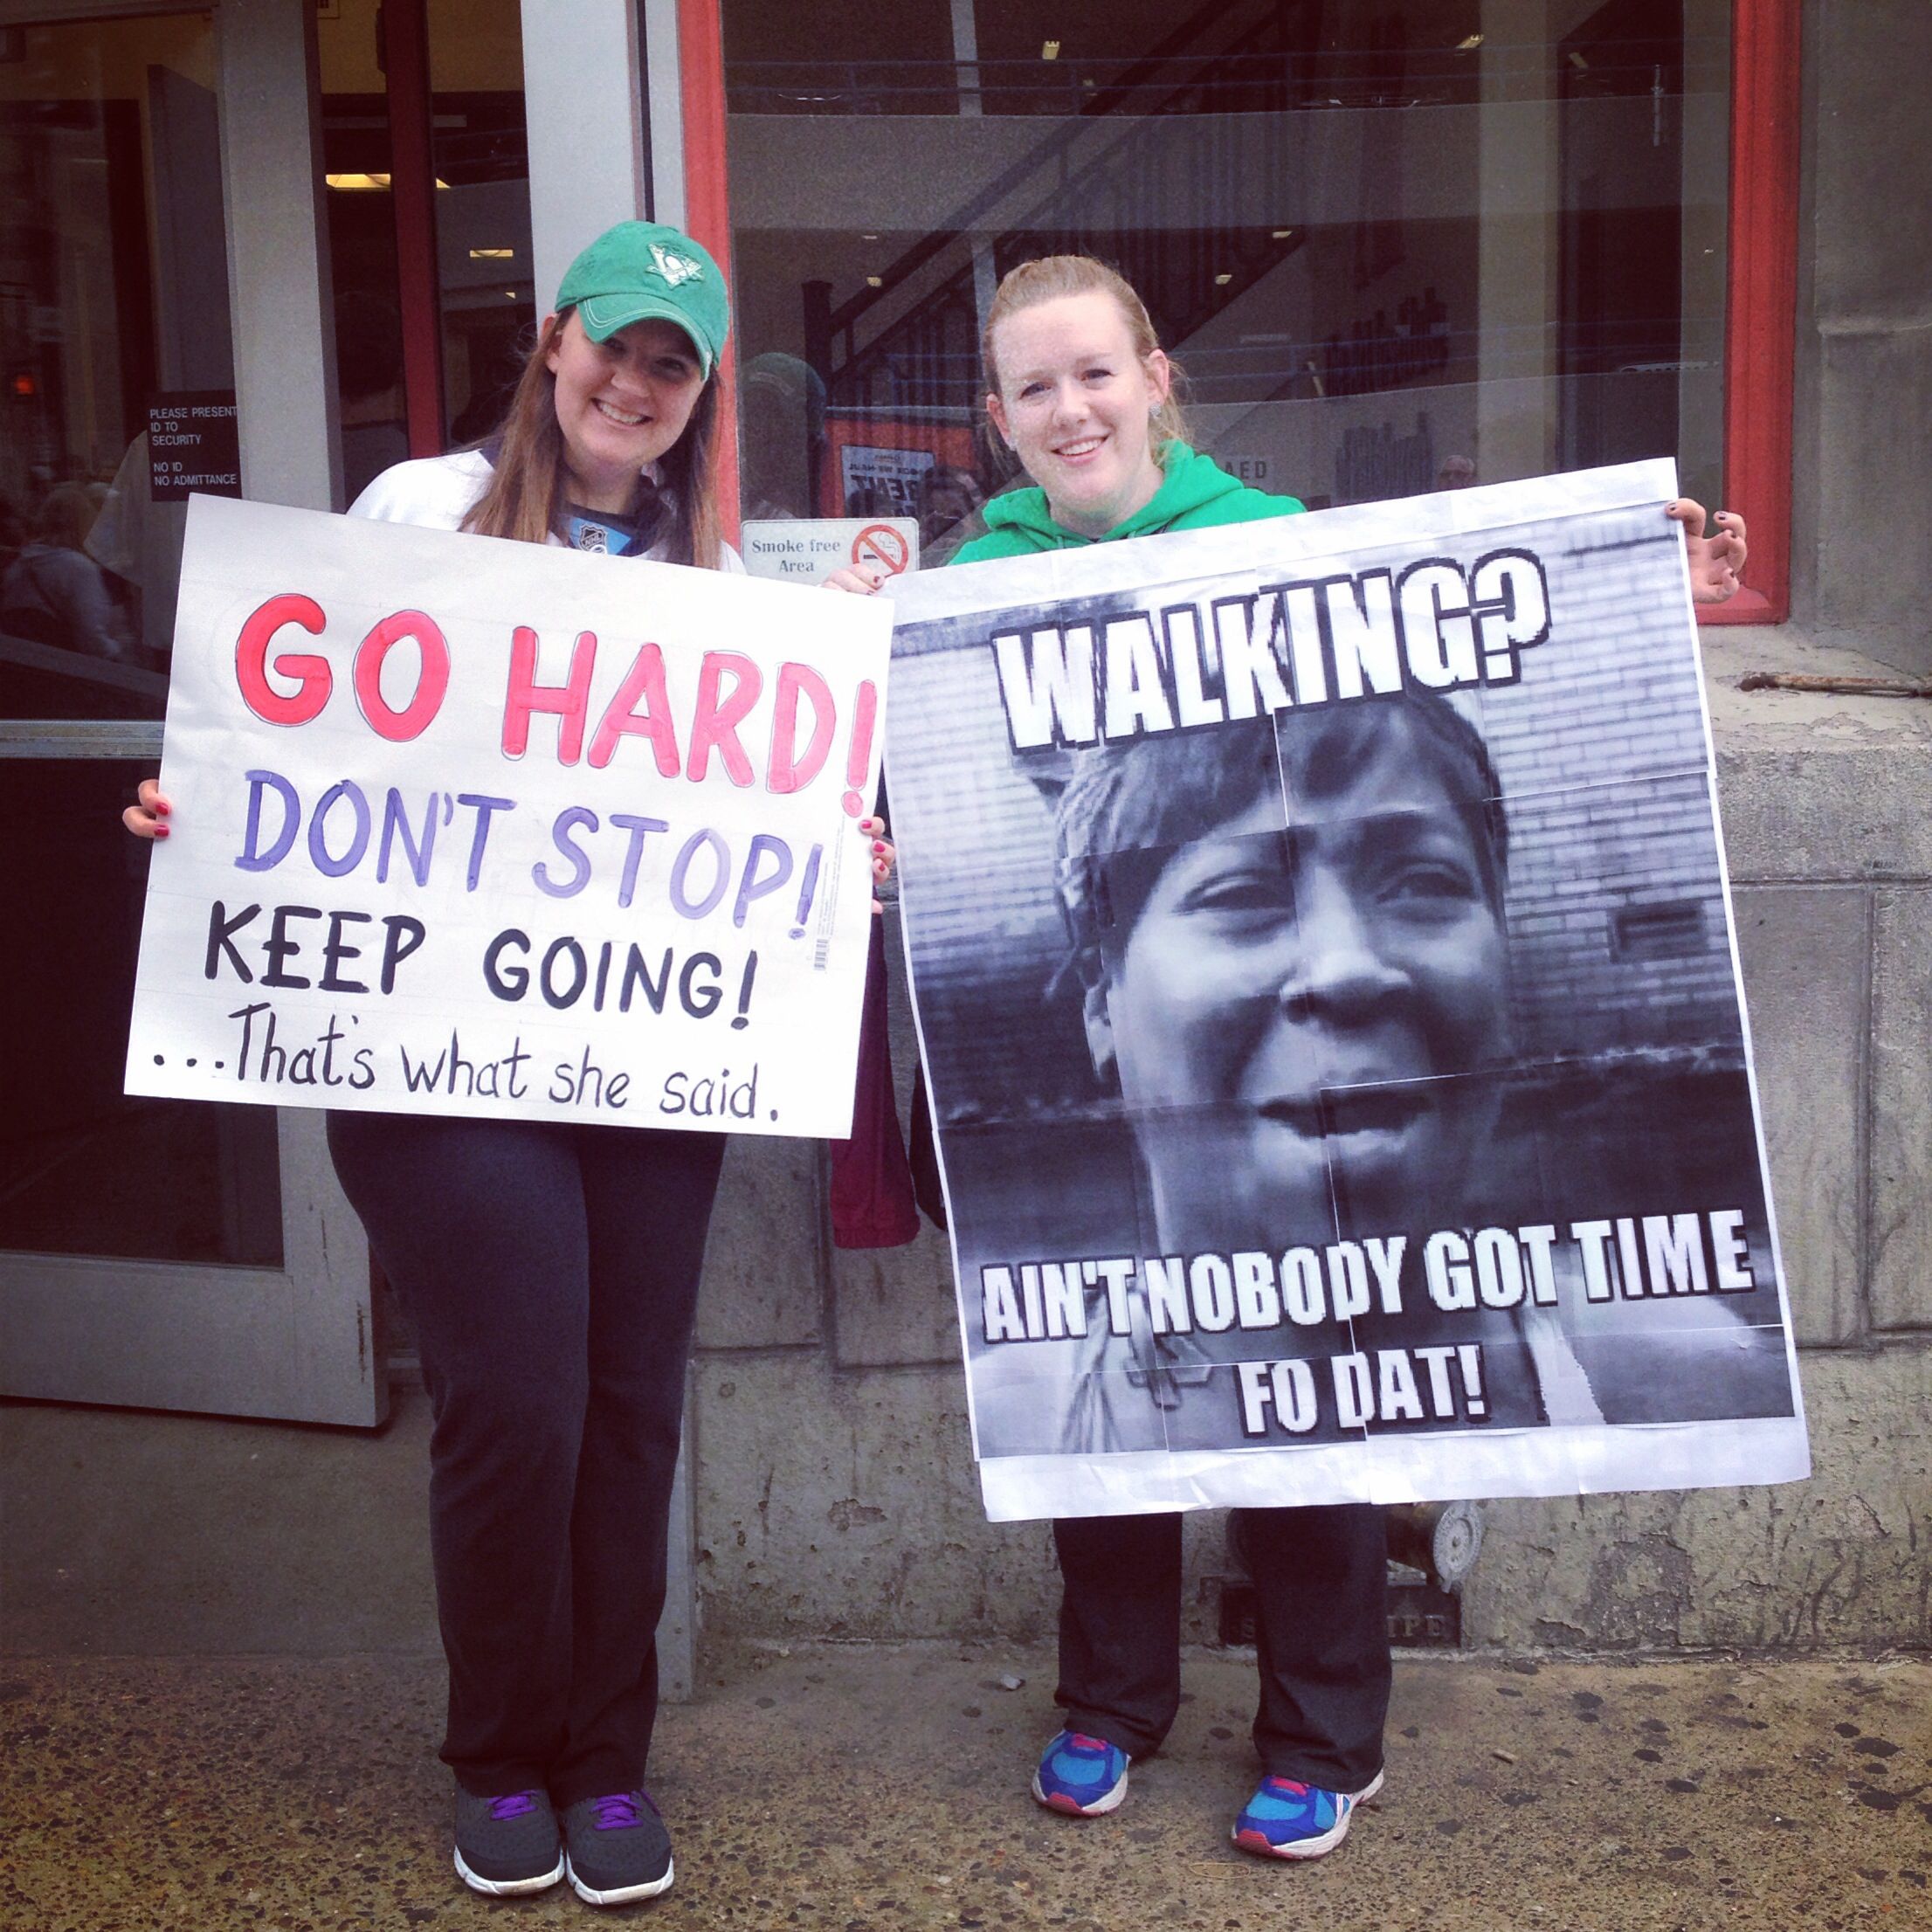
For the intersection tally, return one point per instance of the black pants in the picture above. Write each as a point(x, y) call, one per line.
point(1322, 1633)
point(552, 1274)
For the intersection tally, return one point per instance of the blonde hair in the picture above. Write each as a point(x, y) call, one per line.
point(1046, 279)
point(528, 487)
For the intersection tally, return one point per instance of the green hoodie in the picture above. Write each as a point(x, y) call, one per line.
point(1196, 494)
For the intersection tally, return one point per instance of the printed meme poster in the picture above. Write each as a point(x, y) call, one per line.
point(1323, 963)
point(474, 827)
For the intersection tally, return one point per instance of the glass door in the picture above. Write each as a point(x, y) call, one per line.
point(152, 1252)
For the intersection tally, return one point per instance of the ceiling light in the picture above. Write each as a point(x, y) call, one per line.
point(868, 238)
point(1577, 61)
point(876, 281)
point(1469, 44)
point(493, 254)
point(1050, 50)
point(362, 183)
point(1221, 281)
point(1281, 234)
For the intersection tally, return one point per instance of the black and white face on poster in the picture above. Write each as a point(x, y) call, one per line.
point(1323, 961)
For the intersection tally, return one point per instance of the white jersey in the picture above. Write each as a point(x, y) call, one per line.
point(436, 493)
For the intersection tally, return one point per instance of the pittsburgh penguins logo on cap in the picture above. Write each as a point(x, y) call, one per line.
point(675, 269)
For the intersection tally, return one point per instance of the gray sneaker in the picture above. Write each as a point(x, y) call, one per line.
point(507, 1845)
point(617, 1849)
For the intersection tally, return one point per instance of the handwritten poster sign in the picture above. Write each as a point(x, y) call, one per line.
point(1323, 963)
point(467, 826)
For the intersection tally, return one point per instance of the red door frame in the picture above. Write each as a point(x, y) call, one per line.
point(405, 47)
point(708, 207)
point(413, 186)
point(1761, 321)
point(1762, 311)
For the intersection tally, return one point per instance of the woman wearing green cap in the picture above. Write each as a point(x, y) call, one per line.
point(611, 441)
point(551, 1269)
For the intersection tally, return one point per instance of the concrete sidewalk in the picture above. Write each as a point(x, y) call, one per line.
point(868, 1788)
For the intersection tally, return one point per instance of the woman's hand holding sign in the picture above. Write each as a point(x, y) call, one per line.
point(1717, 561)
point(148, 818)
point(884, 856)
point(861, 579)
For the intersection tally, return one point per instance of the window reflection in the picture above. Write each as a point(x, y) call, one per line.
point(118, 391)
point(1395, 247)
point(486, 295)
point(85, 1169)
point(114, 302)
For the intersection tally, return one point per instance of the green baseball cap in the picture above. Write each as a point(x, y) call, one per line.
point(645, 270)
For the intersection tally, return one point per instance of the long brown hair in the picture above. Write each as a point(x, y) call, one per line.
point(1045, 278)
point(526, 490)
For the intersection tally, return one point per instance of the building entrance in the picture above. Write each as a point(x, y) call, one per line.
point(151, 1252)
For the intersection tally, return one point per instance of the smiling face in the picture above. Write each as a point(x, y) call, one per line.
point(1281, 1007)
point(1073, 403)
point(621, 403)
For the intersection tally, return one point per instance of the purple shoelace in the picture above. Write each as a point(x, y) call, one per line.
point(513, 1804)
point(618, 1811)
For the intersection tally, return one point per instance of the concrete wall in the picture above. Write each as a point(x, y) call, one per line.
point(835, 1489)
point(1863, 468)
point(1825, 816)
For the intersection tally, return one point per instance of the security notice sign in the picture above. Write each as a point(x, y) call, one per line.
point(194, 445)
point(1323, 963)
point(466, 826)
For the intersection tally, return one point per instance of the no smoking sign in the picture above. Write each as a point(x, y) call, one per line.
point(808, 549)
point(883, 546)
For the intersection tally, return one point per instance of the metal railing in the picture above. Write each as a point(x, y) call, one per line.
point(1235, 81)
point(925, 357)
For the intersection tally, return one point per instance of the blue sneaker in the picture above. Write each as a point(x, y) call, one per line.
point(1080, 1776)
point(1285, 1820)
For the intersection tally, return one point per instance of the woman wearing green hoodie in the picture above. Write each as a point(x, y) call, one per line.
point(1079, 389)
point(1082, 394)
point(1192, 492)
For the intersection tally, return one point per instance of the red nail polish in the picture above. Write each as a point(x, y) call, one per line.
point(160, 831)
point(879, 848)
